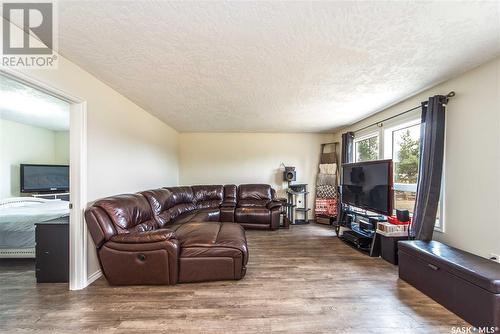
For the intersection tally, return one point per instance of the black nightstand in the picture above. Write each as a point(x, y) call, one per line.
point(52, 251)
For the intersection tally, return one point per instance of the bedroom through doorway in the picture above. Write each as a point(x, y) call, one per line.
point(34, 185)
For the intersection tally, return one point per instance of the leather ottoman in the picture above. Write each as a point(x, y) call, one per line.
point(211, 251)
point(466, 284)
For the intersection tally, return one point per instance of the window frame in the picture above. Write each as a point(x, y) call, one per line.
point(385, 130)
point(389, 149)
point(365, 136)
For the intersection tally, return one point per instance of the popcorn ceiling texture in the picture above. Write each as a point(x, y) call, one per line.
point(275, 66)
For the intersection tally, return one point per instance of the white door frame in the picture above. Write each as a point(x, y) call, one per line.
point(78, 175)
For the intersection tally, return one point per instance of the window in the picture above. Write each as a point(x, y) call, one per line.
point(405, 156)
point(399, 141)
point(366, 148)
point(440, 212)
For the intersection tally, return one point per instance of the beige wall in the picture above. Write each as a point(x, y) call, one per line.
point(472, 158)
point(131, 150)
point(21, 143)
point(61, 147)
point(128, 149)
point(236, 158)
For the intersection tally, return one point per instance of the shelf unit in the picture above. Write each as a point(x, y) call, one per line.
point(297, 204)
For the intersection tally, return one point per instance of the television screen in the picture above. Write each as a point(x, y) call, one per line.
point(368, 185)
point(44, 178)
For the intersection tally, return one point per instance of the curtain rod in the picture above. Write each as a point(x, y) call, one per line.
point(450, 94)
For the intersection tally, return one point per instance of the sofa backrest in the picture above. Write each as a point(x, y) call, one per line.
point(119, 214)
point(210, 196)
point(156, 208)
point(161, 200)
point(180, 202)
point(254, 194)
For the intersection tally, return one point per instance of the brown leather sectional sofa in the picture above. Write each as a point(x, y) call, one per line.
point(179, 234)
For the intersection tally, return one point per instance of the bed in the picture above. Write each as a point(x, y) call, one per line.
point(18, 217)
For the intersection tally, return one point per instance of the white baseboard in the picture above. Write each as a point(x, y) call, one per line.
point(92, 278)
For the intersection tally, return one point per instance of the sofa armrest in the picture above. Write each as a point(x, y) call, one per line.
point(228, 204)
point(144, 237)
point(274, 205)
point(143, 258)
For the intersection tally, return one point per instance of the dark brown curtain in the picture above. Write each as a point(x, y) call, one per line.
point(347, 157)
point(430, 169)
point(347, 147)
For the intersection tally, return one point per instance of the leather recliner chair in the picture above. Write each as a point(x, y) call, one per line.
point(257, 207)
point(176, 234)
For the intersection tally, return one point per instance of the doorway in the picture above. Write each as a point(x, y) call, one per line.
point(76, 145)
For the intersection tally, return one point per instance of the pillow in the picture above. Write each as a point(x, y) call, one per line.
point(328, 168)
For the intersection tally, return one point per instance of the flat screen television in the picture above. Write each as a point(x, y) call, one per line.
point(368, 185)
point(44, 178)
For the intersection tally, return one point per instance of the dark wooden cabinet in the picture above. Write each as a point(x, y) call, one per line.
point(52, 252)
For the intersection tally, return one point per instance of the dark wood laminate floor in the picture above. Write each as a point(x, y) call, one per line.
point(302, 280)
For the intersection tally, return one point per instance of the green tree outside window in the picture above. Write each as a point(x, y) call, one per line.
point(367, 149)
point(409, 154)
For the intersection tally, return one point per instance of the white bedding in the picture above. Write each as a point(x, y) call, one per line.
point(19, 215)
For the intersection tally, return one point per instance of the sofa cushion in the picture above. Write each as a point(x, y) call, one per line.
point(205, 239)
point(253, 203)
point(254, 215)
point(128, 212)
point(182, 218)
point(202, 215)
point(254, 191)
point(211, 251)
point(207, 215)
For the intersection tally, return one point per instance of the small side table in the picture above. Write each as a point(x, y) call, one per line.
point(389, 245)
point(52, 251)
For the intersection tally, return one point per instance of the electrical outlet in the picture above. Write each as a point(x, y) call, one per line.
point(495, 257)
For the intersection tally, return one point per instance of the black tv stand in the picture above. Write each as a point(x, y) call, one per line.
point(357, 240)
point(359, 230)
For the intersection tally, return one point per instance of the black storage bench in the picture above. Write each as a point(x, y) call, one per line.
point(464, 283)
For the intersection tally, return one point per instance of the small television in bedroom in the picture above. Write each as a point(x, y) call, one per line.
point(44, 178)
point(368, 185)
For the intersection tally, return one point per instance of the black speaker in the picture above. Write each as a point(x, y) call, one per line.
point(403, 215)
point(289, 175)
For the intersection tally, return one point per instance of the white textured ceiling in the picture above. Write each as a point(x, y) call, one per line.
point(275, 66)
point(23, 104)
